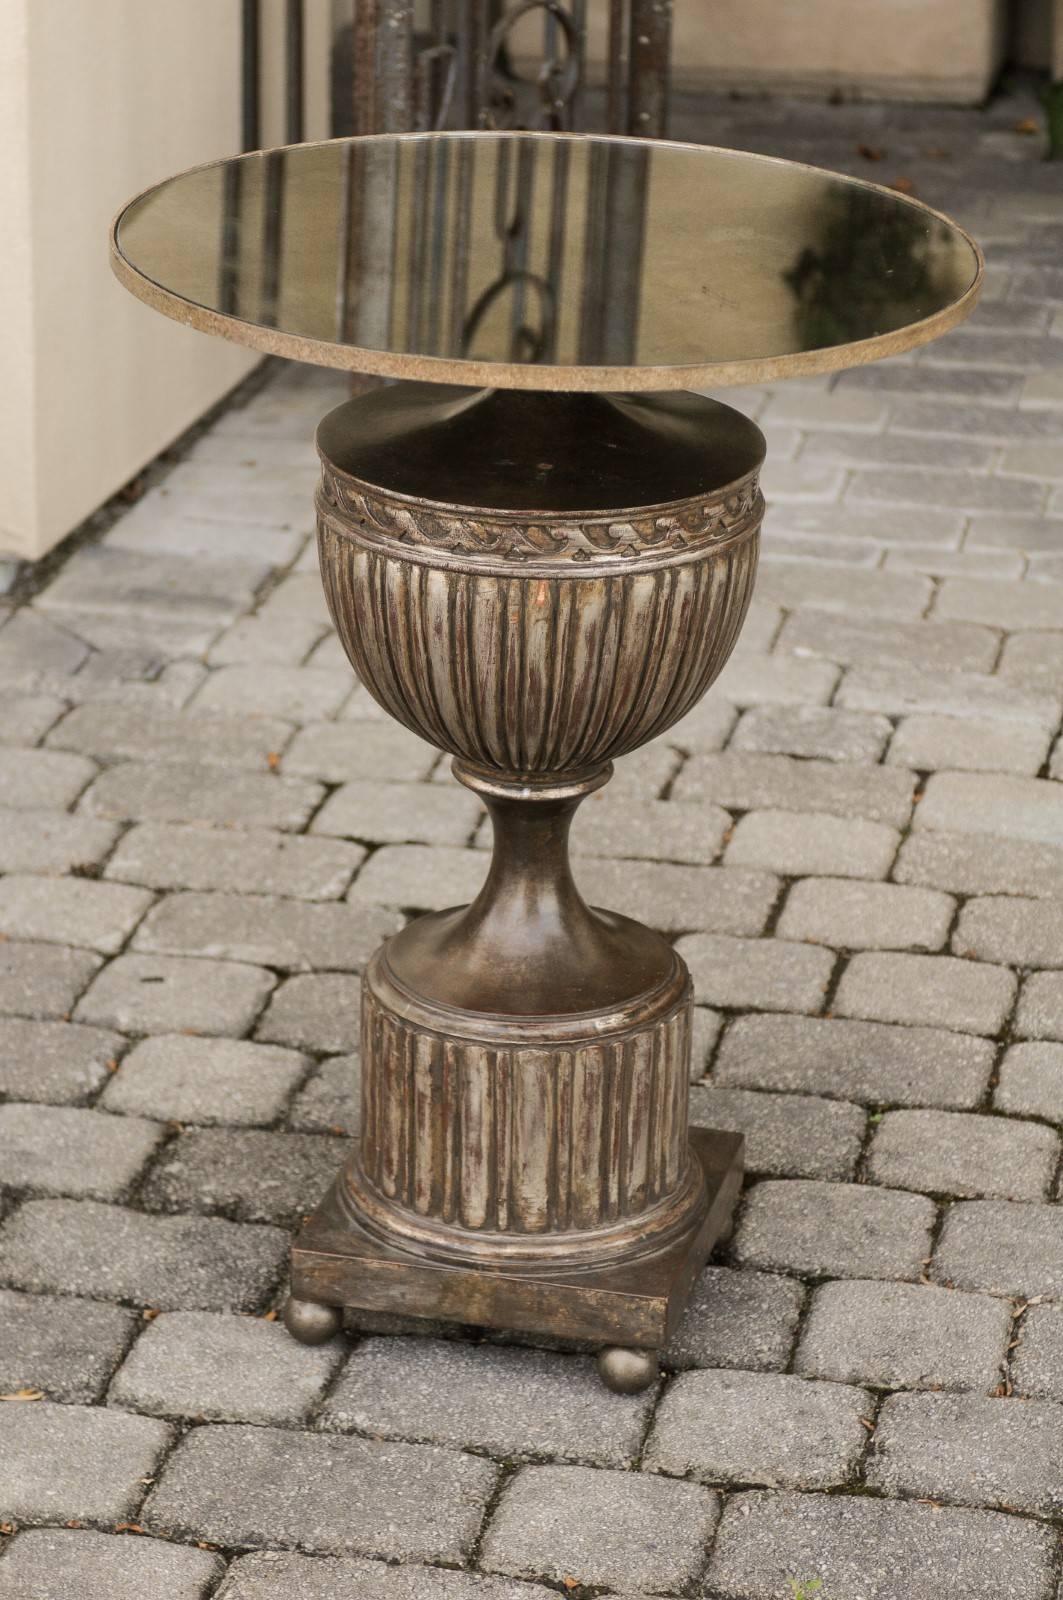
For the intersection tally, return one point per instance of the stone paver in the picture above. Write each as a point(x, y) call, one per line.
point(600, 1528)
point(248, 1487)
point(400, 813)
point(168, 1263)
point(863, 1061)
point(316, 1012)
point(43, 980)
point(737, 1319)
point(1016, 932)
point(970, 744)
point(129, 733)
point(979, 802)
point(56, 1063)
point(780, 783)
point(1003, 1247)
point(169, 856)
point(834, 1230)
point(163, 994)
point(67, 1150)
point(812, 731)
point(65, 1348)
point(43, 841)
point(86, 1462)
point(509, 1403)
point(1040, 1009)
point(976, 865)
point(42, 780)
point(758, 1427)
point(206, 795)
point(341, 752)
point(787, 1135)
point(272, 1575)
point(69, 1564)
point(928, 990)
point(1031, 1081)
point(866, 916)
point(877, 1549)
point(972, 1451)
point(330, 1102)
point(904, 1336)
point(265, 931)
point(796, 844)
point(948, 1152)
point(221, 1368)
point(70, 911)
point(177, 1078)
point(1037, 1361)
point(246, 1173)
point(769, 974)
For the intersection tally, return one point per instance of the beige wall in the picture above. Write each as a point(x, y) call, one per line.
point(99, 98)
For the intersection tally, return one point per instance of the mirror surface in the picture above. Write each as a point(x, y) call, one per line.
point(538, 260)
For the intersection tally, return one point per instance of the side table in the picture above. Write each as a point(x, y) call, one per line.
point(538, 550)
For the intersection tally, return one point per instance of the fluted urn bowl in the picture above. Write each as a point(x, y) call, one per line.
point(583, 612)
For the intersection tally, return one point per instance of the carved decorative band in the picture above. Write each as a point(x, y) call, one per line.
point(523, 1153)
point(518, 537)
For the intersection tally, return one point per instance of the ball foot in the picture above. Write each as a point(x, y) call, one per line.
point(627, 1371)
point(310, 1322)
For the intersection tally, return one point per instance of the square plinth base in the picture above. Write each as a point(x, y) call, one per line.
point(637, 1304)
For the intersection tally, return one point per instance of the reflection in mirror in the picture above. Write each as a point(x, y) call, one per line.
point(518, 249)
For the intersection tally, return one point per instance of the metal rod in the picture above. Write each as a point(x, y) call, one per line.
point(250, 76)
point(649, 61)
point(294, 71)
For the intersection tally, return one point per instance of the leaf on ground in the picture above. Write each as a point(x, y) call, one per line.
point(129, 1527)
point(903, 185)
point(1028, 126)
point(24, 1394)
point(871, 152)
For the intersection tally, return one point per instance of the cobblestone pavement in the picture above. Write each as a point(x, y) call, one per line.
point(857, 842)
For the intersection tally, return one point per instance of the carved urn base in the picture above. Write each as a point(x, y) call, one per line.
point(536, 583)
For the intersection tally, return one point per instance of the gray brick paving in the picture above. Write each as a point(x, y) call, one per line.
point(166, 1263)
point(220, 798)
point(834, 1230)
point(1017, 932)
point(765, 1428)
point(165, 856)
point(760, 783)
point(264, 931)
point(904, 1336)
point(69, 1150)
point(1040, 1010)
point(248, 1487)
point(176, 1078)
point(972, 744)
point(1003, 1247)
point(271, 1575)
point(130, 733)
point(881, 1549)
point(894, 643)
point(1031, 1081)
point(208, 1366)
point(767, 974)
point(796, 844)
point(600, 1528)
point(507, 1402)
point(55, 1062)
point(812, 731)
point(864, 1061)
point(43, 980)
point(971, 1450)
point(42, 780)
point(85, 1462)
point(866, 916)
point(787, 1135)
point(45, 842)
point(73, 911)
point(81, 1564)
point(317, 1012)
point(66, 1348)
point(737, 1319)
point(955, 1153)
point(164, 994)
point(887, 987)
point(980, 864)
point(249, 1174)
point(1037, 1362)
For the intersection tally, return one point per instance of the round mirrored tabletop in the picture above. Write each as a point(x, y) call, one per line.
point(546, 261)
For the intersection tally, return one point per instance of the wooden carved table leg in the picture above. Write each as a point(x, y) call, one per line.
point(537, 584)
